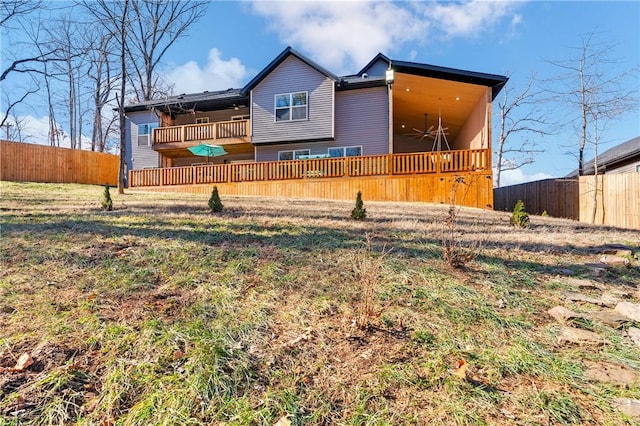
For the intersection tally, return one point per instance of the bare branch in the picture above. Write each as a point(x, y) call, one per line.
point(520, 115)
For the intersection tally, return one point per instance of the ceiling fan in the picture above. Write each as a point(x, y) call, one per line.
point(421, 134)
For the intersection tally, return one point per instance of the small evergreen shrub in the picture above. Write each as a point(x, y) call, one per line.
point(520, 217)
point(107, 203)
point(214, 201)
point(359, 212)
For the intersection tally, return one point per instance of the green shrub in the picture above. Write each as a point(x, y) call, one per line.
point(214, 201)
point(107, 203)
point(520, 217)
point(359, 212)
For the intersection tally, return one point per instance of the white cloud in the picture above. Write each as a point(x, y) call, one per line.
point(514, 177)
point(216, 74)
point(468, 18)
point(343, 36)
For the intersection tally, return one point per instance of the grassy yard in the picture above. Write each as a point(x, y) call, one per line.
point(160, 312)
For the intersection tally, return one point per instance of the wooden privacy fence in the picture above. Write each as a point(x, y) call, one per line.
point(618, 198)
point(23, 162)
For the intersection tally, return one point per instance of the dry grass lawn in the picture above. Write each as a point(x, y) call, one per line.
point(160, 312)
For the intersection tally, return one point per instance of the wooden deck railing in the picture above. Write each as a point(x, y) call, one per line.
point(462, 161)
point(201, 132)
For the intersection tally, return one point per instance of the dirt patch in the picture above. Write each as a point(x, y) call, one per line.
point(59, 372)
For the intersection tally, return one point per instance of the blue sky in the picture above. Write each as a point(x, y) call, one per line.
point(237, 39)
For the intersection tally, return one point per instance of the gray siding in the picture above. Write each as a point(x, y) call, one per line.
point(377, 69)
point(627, 168)
point(140, 157)
point(361, 120)
point(293, 75)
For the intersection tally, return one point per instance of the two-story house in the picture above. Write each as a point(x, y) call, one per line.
point(296, 110)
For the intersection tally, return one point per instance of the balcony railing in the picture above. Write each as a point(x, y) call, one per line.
point(462, 161)
point(236, 129)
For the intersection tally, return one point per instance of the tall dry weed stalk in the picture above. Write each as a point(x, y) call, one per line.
point(368, 267)
point(454, 252)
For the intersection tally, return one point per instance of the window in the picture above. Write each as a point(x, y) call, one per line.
point(239, 117)
point(293, 154)
point(291, 106)
point(348, 151)
point(353, 151)
point(145, 131)
point(202, 120)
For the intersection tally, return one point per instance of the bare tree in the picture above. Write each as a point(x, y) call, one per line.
point(143, 31)
point(589, 87)
point(155, 27)
point(103, 86)
point(114, 16)
point(599, 95)
point(12, 9)
point(15, 129)
point(32, 56)
point(520, 114)
point(16, 12)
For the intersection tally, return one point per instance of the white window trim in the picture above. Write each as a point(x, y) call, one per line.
point(202, 120)
point(149, 136)
point(295, 151)
point(240, 117)
point(275, 116)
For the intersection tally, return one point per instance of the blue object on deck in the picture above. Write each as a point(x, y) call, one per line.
point(206, 150)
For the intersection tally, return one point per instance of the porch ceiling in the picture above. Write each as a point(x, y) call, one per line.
point(179, 150)
point(413, 96)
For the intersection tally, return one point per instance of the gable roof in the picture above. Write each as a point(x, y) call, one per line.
point(233, 97)
point(496, 82)
point(204, 100)
point(289, 51)
point(619, 153)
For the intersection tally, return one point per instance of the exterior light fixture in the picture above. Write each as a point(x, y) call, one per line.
point(388, 75)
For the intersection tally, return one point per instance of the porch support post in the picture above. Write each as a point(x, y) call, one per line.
point(390, 103)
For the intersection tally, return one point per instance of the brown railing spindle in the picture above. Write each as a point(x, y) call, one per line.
point(375, 165)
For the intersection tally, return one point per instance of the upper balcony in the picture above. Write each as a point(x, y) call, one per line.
point(218, 133)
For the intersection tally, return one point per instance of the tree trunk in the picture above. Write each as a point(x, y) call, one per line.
point(123, 91)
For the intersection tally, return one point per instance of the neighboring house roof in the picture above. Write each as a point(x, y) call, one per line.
point(611, 157)
point(289, 51)
point(496, 82)
point(203, 100)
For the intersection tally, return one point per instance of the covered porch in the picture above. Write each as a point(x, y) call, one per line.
point(434, 114)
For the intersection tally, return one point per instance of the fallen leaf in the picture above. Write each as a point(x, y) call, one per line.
point(20, 403)
point(283, 421)
point(461, 369)
point(24, 361)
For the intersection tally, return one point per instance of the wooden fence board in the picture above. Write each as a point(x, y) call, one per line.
point(475, 192)
point(618, 198)
point(23, 162)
